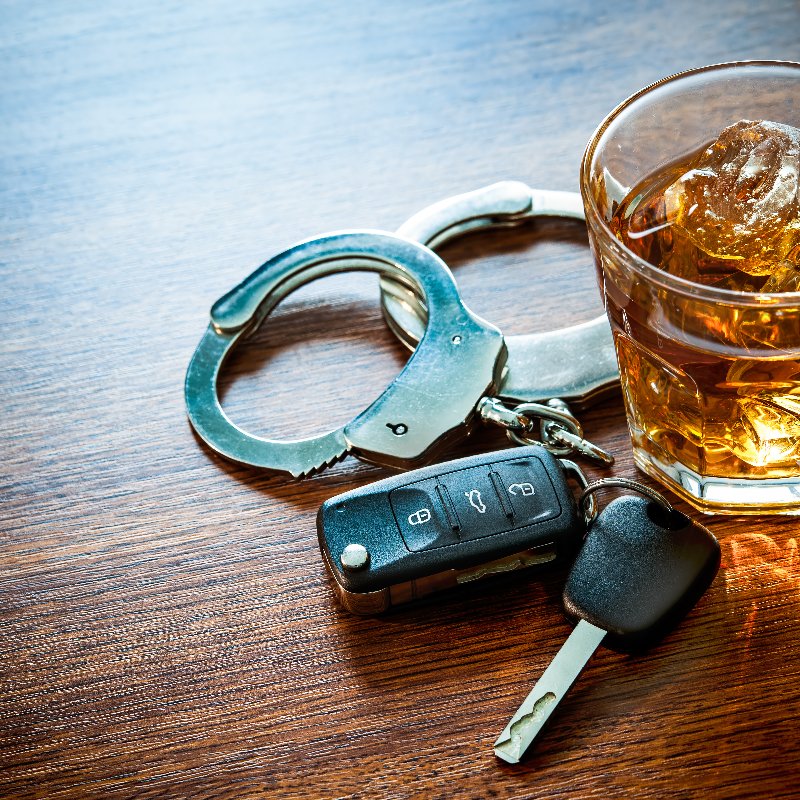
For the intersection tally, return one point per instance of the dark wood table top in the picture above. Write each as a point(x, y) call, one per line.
point(166, 625)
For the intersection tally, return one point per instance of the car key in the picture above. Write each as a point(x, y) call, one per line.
point(404, 537)
point(641, 569)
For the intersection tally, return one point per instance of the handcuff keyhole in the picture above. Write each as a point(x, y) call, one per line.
point(398, 429)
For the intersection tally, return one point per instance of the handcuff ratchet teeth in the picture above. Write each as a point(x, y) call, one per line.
point(430, 403)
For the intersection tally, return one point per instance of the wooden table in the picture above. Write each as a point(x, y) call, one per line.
point(167, 629)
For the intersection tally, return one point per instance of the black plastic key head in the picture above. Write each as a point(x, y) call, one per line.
point(409, 535)
point(640, 571)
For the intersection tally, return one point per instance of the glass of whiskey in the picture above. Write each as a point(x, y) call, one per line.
point(692, 197)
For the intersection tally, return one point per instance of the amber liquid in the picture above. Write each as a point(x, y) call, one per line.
point(713, 410)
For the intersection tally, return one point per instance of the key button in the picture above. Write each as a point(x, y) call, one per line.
point(477, 503)
point(529, 490)
point(420, 516)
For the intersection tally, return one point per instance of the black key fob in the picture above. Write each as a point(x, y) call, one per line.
point(407, 536)
point(640, 571)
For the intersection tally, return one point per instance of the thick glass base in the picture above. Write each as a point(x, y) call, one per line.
point(723, 495)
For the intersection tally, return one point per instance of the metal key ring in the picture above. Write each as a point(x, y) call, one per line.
point(624, 483)
point(430, 403)
point(539, 411)
point(576, 363)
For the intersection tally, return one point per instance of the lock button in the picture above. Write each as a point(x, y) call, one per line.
point(422, 516)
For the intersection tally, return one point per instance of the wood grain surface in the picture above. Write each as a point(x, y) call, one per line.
point(166, 626)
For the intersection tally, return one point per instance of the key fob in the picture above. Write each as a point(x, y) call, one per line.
point(412, 534)
point(640, 571)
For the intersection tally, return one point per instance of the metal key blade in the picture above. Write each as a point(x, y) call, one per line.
point(535, 710)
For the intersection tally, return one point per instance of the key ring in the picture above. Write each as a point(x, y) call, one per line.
point(625, 483)
point(430, 403)
point(561, 433)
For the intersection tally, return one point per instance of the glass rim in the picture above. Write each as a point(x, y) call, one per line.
point(651, 272)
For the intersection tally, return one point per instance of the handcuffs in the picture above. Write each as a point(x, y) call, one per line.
point(462, 371)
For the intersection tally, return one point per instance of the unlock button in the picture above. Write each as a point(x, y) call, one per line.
point(421, 517)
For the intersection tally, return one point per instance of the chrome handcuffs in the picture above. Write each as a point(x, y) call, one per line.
point(463, 370)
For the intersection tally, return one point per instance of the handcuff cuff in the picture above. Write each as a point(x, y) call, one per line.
point(463, 369)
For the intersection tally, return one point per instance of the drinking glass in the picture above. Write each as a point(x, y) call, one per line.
point(710, 376)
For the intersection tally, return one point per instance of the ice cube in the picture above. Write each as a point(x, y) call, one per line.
point(766, 430)
point(785, 278)
point(739, 202)
point(751, 374)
